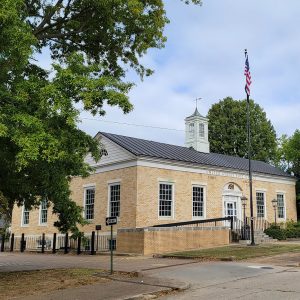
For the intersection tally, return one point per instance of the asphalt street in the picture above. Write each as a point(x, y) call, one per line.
point(262, 278)
point(232, 280)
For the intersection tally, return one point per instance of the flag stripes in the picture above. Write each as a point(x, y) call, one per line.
point(247, 74)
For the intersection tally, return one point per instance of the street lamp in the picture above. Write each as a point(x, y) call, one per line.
point(274, 203)
point(244, 204)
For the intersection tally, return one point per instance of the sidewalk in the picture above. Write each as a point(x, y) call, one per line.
point(118, 288)
point(138, 286)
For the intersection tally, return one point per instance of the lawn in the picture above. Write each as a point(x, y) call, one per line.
point(236, 252)
point(17, 284)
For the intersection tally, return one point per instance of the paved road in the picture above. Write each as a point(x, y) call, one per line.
point(264, 278)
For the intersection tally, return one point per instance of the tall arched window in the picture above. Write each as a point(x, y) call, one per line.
point(201, 130)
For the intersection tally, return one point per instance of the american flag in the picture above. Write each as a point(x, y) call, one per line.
point(247, 74)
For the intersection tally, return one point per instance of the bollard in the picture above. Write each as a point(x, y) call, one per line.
point(79, 245)
point(93, 243)
point(54, 243)
point(43, 243)
point(12, 241)
point(66, 243)
point(22, 244)
point(2, 242)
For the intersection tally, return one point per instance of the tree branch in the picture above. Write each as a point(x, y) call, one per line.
point(47, 18)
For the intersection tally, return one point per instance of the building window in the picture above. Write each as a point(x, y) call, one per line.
point(201, 130)
point(260, 204)
point(165, 199)
point(191, 129)
point(44, 212)
point(198, 201)
point(103, 152)
point(89, 203)
point(231, 186)
point(25, 216)
point(114, 201)
point(280, 206)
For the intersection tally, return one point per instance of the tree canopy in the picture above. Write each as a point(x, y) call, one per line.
point(288, 158)
point(92, 44)
point(228, 130)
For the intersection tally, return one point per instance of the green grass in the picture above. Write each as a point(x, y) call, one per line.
point(238, 252)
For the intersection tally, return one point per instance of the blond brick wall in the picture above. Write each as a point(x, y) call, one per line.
point(34, 227)
point(153, 240)
point(139, 198)
point(127, 179)
point(147, 194)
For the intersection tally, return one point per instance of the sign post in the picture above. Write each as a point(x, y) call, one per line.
point(110, 221)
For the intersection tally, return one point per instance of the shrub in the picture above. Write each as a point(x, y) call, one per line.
point(276, 233)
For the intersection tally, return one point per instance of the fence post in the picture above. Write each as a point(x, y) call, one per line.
point(79, 245)
point(66, 243)
point(54, 243)
point(22, 245)
point(2, 242)
point(12, 242)
point(43, 243)
point(93, 243)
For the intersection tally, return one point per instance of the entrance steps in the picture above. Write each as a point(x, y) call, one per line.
point(259, 238)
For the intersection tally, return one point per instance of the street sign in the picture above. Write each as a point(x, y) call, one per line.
point(111, 221)
point(98, 227)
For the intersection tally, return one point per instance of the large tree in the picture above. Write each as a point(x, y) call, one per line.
point(228, 130)
point(92, 44)
point(288, 158)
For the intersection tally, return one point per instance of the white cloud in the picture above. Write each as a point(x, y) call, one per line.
point(204, 58)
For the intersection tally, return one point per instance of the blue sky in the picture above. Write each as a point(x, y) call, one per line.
point(204, 57)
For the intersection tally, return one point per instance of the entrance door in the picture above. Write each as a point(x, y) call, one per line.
point(231, 208)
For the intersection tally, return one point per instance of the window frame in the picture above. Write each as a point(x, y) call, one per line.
point(203, 204)
point(202, 130)
point(41, 212)
point(86, 188)
point(284, 205)
point(110, 185)
point(264, 206)
point(23, 217)
point(172, 216)
point(191, 129)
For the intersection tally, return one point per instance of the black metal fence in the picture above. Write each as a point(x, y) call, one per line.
point(88, 243)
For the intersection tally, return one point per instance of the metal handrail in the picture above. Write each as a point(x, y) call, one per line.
point(196, 222)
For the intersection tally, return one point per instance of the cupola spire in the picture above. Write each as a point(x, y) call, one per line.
point(196, 131)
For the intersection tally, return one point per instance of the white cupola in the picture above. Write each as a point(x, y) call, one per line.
point(196, 132)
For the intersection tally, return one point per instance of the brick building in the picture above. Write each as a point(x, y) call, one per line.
point(145, 183)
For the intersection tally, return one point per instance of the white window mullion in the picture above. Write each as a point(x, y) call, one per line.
point(198, 195)
point(89, 202)
point(114, 200)
point(166, 199)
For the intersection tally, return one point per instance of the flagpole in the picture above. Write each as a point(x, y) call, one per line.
point(250, 167)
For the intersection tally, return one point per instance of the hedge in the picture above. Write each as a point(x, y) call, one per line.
point(292, 230)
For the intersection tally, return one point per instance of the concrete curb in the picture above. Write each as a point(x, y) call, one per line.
point(154, 295)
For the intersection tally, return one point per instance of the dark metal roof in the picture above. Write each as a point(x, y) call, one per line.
point(146, 148)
